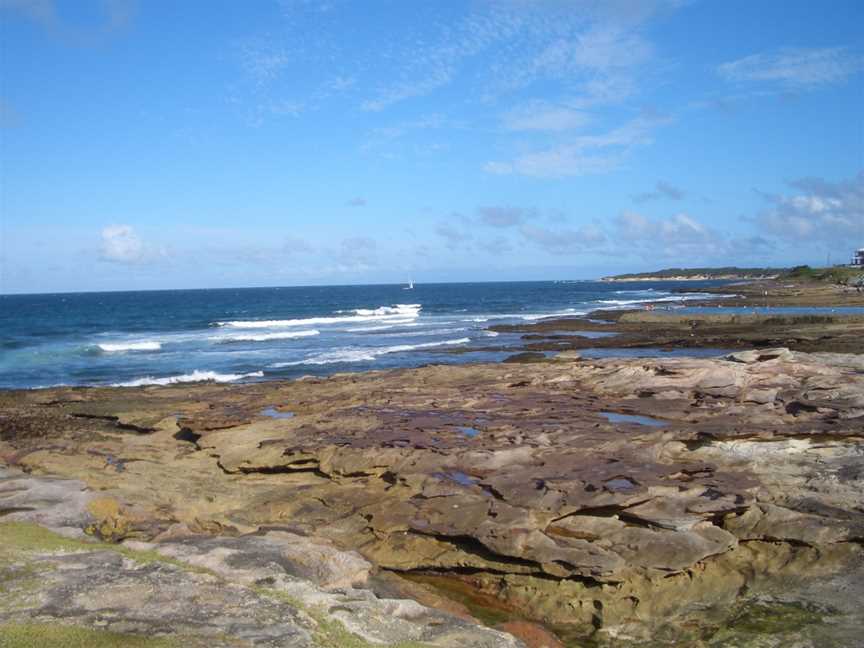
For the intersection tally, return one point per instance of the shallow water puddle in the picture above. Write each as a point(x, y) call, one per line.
point(618, 484)
point(613, 417)
point(469, 432)
point(593, 335)
point(459, 477)
point(272, 412)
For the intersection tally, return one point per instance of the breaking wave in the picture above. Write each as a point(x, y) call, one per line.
point(383, 313)
point(671, 298)
point(351, 354)
point(195, 376)
point(264, 337)
point(119, 347)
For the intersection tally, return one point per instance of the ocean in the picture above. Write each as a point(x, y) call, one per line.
point(231, 335)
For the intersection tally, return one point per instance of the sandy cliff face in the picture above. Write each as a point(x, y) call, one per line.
point(504, 487)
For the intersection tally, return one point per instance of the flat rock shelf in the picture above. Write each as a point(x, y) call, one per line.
point(568, 501)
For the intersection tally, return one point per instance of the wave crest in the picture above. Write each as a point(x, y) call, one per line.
point(119, 347)
point(264, 337)
point(195, 376)
point(383, 313)
point(351, 354)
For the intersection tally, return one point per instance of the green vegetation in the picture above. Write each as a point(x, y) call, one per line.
point(25, 537)
point(841, 275)
point(18, 539)
point(330, 633)
point(40, 635)
point(709, 273)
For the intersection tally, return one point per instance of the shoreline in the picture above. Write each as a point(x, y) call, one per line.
point(664, 328)
point(633, 331)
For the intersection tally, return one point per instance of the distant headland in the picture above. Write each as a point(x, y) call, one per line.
point(840, 275)
point(700, 274)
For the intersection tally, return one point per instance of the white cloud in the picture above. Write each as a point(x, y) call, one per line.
point(684, 239)
point(822, 210)
point(796, 69)
point(121, 244)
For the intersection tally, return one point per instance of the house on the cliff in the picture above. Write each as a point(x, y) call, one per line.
point(858, 258)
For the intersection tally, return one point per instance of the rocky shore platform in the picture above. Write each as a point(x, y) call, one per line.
point(569, 501)
point(721, 326)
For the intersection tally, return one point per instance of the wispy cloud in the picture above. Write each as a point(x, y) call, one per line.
point(454, 237)
point(402, 128)
point(582, 155)
point(356, 254)
point(539, 115)
point(796, 69)
point(114, 16)
point(565, 240)
point(356, 202)
point(496, 246)
point(503, 217)
point(661, 190)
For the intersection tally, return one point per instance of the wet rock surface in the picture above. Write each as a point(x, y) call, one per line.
point(503, 488)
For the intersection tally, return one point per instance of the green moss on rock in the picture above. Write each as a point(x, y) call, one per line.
point(40, 635)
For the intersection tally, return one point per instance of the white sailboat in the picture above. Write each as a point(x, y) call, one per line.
point(410, 285)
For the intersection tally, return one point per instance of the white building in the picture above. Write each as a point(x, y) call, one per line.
point(858, 258)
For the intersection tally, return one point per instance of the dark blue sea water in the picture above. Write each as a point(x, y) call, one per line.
point(163, 337)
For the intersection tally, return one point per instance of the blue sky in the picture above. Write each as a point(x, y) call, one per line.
point(159, 144)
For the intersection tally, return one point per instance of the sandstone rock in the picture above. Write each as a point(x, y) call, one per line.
point(507, 479)
point(761, 355)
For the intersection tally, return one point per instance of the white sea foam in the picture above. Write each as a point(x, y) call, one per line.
point(383, 313)
point(195, 376)
point(354, 354)
point(671, 298)
point(402, 310)
point(384, 327)
point(490, 333)
point(119, 347)
point(264, 337)
point(423, 332)
point(570, 312)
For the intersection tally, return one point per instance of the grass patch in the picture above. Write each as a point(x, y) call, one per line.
point(18, 539)
point(42, 635)
point(844, 276)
